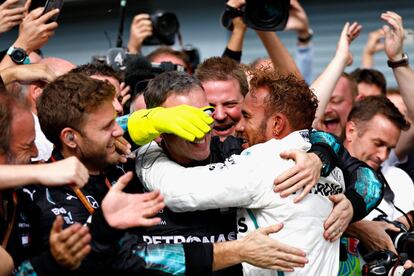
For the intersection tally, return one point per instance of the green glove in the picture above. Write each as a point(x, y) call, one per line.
point(185, 121)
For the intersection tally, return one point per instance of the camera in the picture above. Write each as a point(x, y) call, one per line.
point(262, 15)
point(402, 240)
point(385, 262)
point(165, 26)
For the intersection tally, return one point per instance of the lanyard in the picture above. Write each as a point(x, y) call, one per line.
point(81, 196)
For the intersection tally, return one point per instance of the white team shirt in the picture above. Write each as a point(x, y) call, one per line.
point(246, 181)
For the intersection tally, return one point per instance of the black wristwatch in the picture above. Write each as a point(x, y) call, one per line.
point(402, 62)
point(18, 55)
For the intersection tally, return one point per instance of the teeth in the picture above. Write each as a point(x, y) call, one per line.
point(200, 141)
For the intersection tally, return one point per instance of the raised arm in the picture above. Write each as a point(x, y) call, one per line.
point(235, 44)
point(394, 37)
point(324, 85)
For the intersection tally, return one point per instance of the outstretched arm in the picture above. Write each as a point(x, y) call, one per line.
point(324, 85)
point(260, 250)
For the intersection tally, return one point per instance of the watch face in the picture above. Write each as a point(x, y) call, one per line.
point(18, 55)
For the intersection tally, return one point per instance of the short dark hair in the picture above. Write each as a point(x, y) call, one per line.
point(288, 95)
point(99, 69)
point(10, 106)
point(64, 102)
point(165, 84)
point(170, 51)
point(365, 109)
point(222, 69)
point(370, 76)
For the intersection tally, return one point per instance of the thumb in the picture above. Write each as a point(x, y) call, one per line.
point(122, 182)
point(57, 225)
point(271, 229)
point(288, 154)
point(335, 198)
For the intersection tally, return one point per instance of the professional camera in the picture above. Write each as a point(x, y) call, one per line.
point(385, 262)
point(402, 240)
point(262, 15)
point(165, 27)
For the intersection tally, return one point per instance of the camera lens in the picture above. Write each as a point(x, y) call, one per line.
point(267, 15)
point(167, 24)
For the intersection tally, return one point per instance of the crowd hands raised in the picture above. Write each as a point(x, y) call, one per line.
point(193, 175)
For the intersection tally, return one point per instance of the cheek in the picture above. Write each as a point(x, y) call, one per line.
point(234, 113)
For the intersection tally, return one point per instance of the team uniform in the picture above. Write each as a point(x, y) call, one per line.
point(247, 181)
point(113, 251)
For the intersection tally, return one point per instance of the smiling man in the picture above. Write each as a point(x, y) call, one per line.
point(339, 106)
point(225, 84)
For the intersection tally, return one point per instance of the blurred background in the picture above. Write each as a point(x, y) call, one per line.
point(90, 27)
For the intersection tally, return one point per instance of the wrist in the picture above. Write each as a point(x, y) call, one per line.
point(133, 48)
point(305, 36)
point(399, 61)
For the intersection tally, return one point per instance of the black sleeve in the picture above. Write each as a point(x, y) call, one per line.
point(43, 264)
point(232, 54)
point(198, 258)
point(364, 188)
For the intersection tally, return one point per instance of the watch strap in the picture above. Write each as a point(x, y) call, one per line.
point(402, 62)
point(12, 49)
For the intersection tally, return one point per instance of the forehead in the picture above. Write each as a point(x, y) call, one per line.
point(111, 80)
point(222, 90)
point(342, 89)
point(381, 128)
point(101, 115)
point(194, 97)
point(22, 127)
point(255, 101)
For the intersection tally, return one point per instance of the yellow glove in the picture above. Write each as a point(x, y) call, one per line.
point(185, 121)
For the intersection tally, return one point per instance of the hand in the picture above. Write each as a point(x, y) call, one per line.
point(339, 219)
point(305, 174)
point(70, 246)
point(27, 74)
point(394, 35)
point(124, 94)
point(122, 210)
point(372, 234)
point(141, 28)
point(260, 250)
point(10, 15)
point(123, 148)
point(374, 43)
point(185, 121)
point(67, 171)
point(298, 20)
point(34, 32)
point(408, 264)
point(348, 34)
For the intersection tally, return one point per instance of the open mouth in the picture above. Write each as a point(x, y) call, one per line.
point(222, 129)
point(199, 141)
point(331, 123)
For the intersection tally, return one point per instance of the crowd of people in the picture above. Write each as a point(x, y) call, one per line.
point(220, 168)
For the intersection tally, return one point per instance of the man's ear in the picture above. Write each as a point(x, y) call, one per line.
point(35, 92)
point(68, 137)
point(278, 124)
point(350, 131)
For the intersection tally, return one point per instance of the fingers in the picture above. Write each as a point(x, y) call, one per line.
point(67, 233)
point(122, 182)
point(77, 240)
point(122, 146)
point(45, 17)
point(271, 229)
point(306, 190)
point(57, 225)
